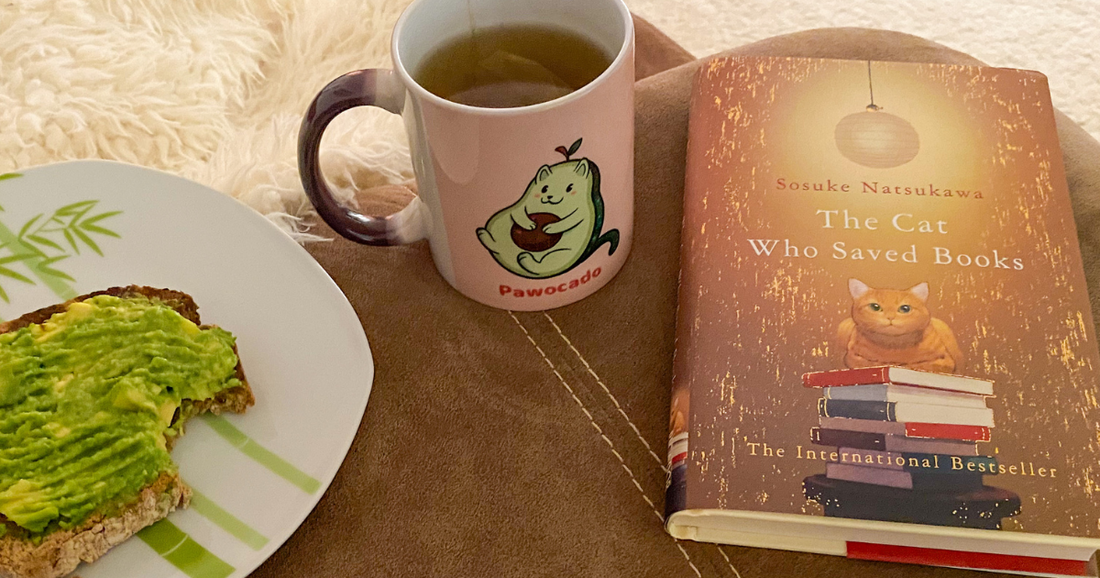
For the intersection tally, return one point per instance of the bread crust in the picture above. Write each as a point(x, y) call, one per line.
point(62, 551)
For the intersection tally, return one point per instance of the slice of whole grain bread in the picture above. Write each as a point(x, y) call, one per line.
point(60, 552)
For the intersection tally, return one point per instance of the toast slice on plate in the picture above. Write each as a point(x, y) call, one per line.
point(98, 436)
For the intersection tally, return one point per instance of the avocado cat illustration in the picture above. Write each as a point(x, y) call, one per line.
point(895, 327)
point(555, 225)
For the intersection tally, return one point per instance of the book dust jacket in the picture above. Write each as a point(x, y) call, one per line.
point(882, 313)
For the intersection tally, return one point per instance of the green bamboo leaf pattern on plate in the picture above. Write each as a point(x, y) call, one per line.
point(44, 241)
point(5, 177)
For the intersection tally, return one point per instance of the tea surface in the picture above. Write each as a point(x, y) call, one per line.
point(511, 65)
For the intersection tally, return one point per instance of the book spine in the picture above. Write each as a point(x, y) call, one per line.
point(839, 378)
point(676, 492)
point(848, 439)
point(873, 476)
point(947, 447)
point(906, 394)
point(970, 433)
point(924, 413)
point(866, 425)
point(676, 479)
point(679, 437)
point(877, 410)
point(956, 383)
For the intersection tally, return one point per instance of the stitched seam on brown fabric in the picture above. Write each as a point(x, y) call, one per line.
point(629, 422)
point(592, 421)
point(728, 561)
point(608, 392)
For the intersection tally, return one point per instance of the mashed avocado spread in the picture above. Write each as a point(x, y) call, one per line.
point(87, 398)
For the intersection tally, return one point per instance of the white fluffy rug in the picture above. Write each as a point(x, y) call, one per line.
point(214, 90)
point(1060, 38)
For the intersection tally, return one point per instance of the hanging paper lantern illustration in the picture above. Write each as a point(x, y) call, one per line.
point(876, 139)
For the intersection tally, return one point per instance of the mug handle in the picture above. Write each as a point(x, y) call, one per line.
point(369, 87)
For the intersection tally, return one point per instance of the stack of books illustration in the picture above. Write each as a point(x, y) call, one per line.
point(901, 445)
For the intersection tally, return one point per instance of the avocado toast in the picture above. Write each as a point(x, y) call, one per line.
point(93, 393)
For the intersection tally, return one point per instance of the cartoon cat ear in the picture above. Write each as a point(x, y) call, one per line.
point(544, 173)
point(582, 168)
point(857, 288)
point(921, 291)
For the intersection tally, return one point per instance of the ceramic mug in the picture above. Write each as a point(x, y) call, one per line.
point(525, 208)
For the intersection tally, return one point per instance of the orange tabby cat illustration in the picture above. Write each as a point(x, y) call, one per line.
point(894, 327)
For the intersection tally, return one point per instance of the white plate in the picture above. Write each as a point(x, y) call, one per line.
point(256, 475)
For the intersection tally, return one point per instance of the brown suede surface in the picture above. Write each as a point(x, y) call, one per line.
point(516, 445)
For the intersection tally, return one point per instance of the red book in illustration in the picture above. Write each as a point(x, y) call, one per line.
point(952, 431)
point(897, 376)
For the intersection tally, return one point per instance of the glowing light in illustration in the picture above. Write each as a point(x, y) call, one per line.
point(876, 139)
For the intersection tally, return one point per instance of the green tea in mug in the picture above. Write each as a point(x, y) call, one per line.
point(511, 65)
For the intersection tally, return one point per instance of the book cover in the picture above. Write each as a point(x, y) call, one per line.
point(864, 223)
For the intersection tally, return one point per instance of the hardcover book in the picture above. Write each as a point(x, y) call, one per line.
point(884, 342)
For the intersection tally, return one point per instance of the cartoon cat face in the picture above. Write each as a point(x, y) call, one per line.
point(560, 189)
point(889, 311)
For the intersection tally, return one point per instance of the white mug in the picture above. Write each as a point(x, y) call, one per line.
point(525, 208)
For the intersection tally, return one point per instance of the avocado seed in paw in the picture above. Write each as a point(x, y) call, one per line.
point(536, 240)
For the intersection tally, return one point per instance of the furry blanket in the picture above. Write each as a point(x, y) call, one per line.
point(213, 90)
point(1057, 37)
